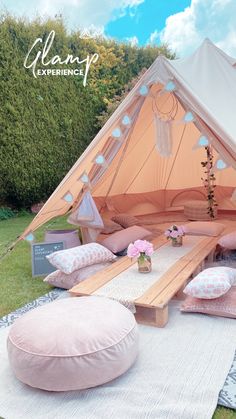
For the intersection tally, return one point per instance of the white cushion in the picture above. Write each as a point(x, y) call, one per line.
point(70, 260)
point(72, 344)
point(211, 283)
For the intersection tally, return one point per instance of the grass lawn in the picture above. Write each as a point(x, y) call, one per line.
point(16, 282)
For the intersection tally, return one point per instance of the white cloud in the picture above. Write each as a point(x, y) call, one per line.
point(133, 40)
point(214, 19)
point(76, 13)
point(154, 37)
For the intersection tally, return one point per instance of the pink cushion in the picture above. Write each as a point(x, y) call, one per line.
point(204, 228)
point(224, 306)
point(67, 281)
point(72, 344)
point(70, 260)
point(228, 241)
point(211, 283)
point(125, 220)
point(121, 239)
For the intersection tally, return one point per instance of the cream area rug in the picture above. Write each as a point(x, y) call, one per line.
point(178, 375)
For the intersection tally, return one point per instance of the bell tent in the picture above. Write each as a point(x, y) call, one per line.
point(147, 157)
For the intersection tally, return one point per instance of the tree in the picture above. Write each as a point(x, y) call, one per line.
point(47, 122)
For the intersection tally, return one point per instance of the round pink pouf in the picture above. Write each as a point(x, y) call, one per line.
point(73, 343)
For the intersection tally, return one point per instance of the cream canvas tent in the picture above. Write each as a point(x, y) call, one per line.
point(147, 157)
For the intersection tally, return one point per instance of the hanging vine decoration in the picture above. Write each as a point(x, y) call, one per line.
point(209, 182)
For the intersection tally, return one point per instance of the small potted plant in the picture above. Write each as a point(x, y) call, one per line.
point(175, 234)
point(142, 249)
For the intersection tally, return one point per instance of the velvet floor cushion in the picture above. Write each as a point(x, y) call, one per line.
point(73, 344)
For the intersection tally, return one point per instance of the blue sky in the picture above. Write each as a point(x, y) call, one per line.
point(149, 17)
point(182, 24)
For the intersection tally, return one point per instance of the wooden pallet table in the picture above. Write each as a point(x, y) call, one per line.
point(152, 306)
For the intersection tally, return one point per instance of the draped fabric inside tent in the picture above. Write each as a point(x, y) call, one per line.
point(88, 218)
point(147, 156)
point(152, 182)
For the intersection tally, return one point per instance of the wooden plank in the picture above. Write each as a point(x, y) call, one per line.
point(159, 286)
point(99, 279)
point(161, 316)
point(165, 296)
point(204, 251)
point(157, 317)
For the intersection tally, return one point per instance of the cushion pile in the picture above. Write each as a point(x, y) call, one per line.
point(212, 291)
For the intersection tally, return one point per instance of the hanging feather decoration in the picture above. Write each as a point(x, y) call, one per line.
point(163, 134)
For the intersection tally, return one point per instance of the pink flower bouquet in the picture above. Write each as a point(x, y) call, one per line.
point(174, 232)
point(140, 248)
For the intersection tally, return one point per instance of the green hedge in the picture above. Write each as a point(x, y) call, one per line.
point(47, 122)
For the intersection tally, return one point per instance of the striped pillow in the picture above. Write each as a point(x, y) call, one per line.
point(125, 220)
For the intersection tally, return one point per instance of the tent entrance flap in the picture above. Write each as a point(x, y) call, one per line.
point(88, 218)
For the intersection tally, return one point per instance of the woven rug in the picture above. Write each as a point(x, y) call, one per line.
point(179, 373)
point(227, 396)
point(8, 319)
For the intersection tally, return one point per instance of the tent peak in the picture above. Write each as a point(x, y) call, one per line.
point(207, 43)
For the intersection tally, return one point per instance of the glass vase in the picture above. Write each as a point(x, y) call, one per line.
point(177, 242)
point(144, 264)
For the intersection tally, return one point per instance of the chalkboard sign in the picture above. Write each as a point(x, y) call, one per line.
point(39, 251)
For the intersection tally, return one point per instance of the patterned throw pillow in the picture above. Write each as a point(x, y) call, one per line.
point(70, 260)
point(224, 306)
point(211, 283)
point(67, 281)
point(126, 220)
